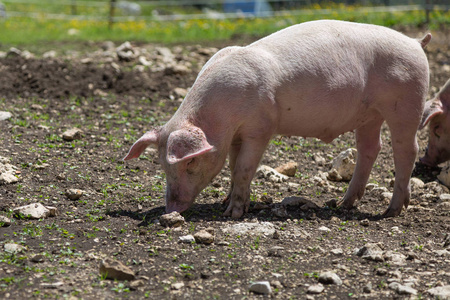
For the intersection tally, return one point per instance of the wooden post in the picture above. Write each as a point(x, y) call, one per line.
point(73, 7)
point(427, 11)
point(112, 6)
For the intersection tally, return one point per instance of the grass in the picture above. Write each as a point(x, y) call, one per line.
point(34, 33)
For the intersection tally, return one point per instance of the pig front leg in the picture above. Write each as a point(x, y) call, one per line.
point(368, 144)
point(244, 160)
point(234, 152)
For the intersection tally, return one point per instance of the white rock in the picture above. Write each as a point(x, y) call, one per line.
point(5, 115)
point(444, 206)
point(49, 54)
point(187, 238)
point(4, 221)
point(319, 159)
point(440, 292)
point(416, 183)
point(402, 289)
point(444, 197)
point(263, 228)
point(270, 174)
point(330, 278)
point(344, 165)
point(177, 285)
point(260, 287)
point(370, 251)
point(315, 289)
point(337, 251)
point(13, 248)
point(33, 211)
point(395, 258)
point(324, 229)
point(8, 177)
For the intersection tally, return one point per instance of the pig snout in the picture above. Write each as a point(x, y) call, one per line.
point(176, 201)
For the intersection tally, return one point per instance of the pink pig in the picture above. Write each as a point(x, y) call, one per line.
point(316, 79)
point(437, 114)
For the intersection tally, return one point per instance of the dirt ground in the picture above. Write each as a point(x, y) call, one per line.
point(114, 100)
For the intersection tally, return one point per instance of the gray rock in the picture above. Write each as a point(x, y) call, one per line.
point(330, 278)
point(113, 269)
point(260, 287)
point(187, 238)
point(263, 228)
point(174, 219)
point(52, 285)
point(402, 289)
point(324, 229)
point(337, 251)
point(370, 251)
point(367, 288)
point(416, 183)
point(440, 292)
point(444, 206)
point(315, 289)
point(444, 197)
point(126, 52)
point(395, 258)
point(33, 211)
point(5, 115)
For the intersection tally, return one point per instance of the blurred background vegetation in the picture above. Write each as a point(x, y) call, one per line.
point(24, 22)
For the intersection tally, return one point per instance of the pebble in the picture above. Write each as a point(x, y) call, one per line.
point(35, 211)
point(343, 165)
point(440, 292)
point(330, 278)
point(174, 219)
point(261, 287)
point(370, 251)
point(5, 115)
point(270, 174)
point(13, 248)
point(324, 229)
point(288, 169)
point(113, 269)
point(72, 134)
point(74, 194)
point(315, 289)
point(187, 239)
point(4, 221)
point(204, 237)
point(367, 288)
point(263, 228)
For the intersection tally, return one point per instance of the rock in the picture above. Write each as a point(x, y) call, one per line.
point(187, 239)
point(367, 288)
point(343, 165)
point(444, 176)
point(135, 284)
point(8, 178)
point(203, 237)
point(5, 115)
point(49, 54)
point(4, 221)
point(74, 194)
point(180, 92)
point(126, 52)
point(270, 174)
point(402, 289)
point(444, 197)
point(113, 269)
point(324, 229)
point(177, 285)
point(337, 251)
point(143, 61)
point(444, 206)
point(13, 248)
point(304, 203)
point(276, 251)
point(14, 52)
point(330, 278)
point(319, 159)
point(288, 169)
point(72, 134)
point(174, 219)
point(416, 183)
point(166, 55)
point(370, 251)
point(33, 211)
point(38, 258)
point(395, 258)
point(52, 285)
point(315, 289)
point(440, 292)
point(260, 287)
point(263, 228)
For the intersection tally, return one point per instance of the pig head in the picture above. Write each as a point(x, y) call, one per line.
point(437, 115)
point(180, 153)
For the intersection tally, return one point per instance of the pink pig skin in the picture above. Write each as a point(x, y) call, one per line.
point(316, 79)
point(437, 114)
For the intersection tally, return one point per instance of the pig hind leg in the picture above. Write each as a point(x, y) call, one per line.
point(405, 148)
point(368, 144)
point(244, 166)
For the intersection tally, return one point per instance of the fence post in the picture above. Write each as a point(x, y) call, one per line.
point(73, 7)
point(112, 6)
point(427, 11)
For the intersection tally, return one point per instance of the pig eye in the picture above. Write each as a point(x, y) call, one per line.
point(190, 166)
point(436, 131)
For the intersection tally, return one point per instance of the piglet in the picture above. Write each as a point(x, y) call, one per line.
point(316, 79)
point(437, 114)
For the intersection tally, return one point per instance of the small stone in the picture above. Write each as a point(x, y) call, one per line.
point(261, 287)
point(365, 223)
point(53, 285)
point(38, 258)
point(343, 165)
point(174, 219)
point(288, 169)
point(8, 177)
point(5, 115)
point(74, 194)
point(444, 206)
point(180, 92)
point(319, 159)
point(115, 270)
point(4, 221)
point(324, 229)
point(440, 292)
point(315, 289)
point(187, 239)
point(177, 285)
point(72, 134)
point(203, 237)
point(444, 197)
point(13, 248)
point(367, 288)
point(33, 211)
point(337, 251)
point(270, 174)
point(330, 278)
point(416, 183)
point(370, 251)
point(276, 251)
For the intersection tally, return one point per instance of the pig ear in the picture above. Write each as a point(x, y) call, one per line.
point(139, 146)
point(433, 108)
point(185, 144)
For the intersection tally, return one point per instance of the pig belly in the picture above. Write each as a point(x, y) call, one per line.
point(324, 119)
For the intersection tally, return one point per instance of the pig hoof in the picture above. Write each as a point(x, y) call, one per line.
point(345, 205)
point(234, 212)
point(226, 200)
point(391, 212)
